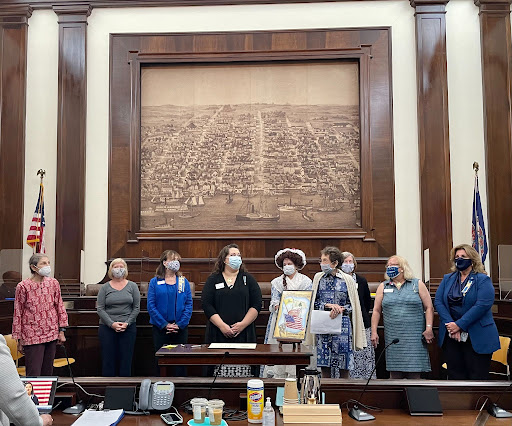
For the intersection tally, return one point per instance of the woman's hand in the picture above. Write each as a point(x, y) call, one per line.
point(61, 338)
point(429, 335)
point(172, 328)
point(117, 326)
point(226, 330)
point(237, 328)
point(124, 326)
point(455, 336)
point(452, 328)
point(335, 309)
point(375, 339)
point(20, 347)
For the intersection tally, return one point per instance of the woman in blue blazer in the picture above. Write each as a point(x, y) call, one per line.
point(467, 332)
point(169, 303)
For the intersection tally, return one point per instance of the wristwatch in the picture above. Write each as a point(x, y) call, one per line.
point(63, 329)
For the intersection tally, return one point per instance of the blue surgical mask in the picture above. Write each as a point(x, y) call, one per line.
point(392, 271)
point(235, 262)
point(348, 268)
point(326, 268)
point(462, 264)
point(173, 265)
point(288, 269)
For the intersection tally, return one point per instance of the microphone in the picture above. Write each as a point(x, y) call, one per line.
point(355, 412)
point(80, 406)
point(495, 410)
point(217, 373)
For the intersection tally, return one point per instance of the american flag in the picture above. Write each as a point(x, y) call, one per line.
point(478, 227)
point(42, 389)
point(293, 320)
point(35, 237)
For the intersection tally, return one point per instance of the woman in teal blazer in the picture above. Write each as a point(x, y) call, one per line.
point(467, 332)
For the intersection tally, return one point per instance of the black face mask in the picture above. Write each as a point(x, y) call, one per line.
point(463, 264)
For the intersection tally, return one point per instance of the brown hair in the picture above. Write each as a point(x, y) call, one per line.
point(334, 254)
point(174, 255)
point(296, 258)
point(476, 262)
point(219, 263)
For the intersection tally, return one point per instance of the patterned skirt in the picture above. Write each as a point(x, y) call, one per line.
point(364, 360)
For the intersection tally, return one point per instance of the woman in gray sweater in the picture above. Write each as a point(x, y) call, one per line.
point(118, 306)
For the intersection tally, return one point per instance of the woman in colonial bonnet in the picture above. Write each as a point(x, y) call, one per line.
point(290, 261)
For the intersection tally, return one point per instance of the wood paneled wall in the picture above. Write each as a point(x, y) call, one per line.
point(13, 77)
point(72, 102)
point(433, 138)
point(497, 90)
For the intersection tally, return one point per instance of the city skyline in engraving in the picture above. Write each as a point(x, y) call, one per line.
point(250, 147)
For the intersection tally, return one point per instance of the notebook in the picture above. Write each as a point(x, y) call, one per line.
point(42, 393)
point(423, 401)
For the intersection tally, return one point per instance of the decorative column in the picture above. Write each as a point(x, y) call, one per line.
point(433, 138)
point(13, 86)
point(496, 73)
point(72, 104)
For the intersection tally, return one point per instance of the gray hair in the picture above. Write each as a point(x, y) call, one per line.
point(34, 260)
point(346, 254)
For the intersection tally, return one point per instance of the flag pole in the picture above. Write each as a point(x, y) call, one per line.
point(41, 173)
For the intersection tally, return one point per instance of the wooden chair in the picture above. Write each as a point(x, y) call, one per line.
point(15, 353)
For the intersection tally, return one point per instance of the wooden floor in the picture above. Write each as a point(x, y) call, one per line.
point(387, 418)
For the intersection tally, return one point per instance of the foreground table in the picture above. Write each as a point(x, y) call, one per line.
point(384, 418)
point(202, 355)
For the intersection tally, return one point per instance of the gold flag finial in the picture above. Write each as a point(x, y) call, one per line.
point(41, 173)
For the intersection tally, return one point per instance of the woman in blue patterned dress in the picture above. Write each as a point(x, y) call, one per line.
point(406, 306)
point(334, 290)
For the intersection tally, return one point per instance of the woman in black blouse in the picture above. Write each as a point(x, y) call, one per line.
point(231, 301)
point(364, 360)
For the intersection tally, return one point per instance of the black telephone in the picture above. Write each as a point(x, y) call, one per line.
point(156, 396)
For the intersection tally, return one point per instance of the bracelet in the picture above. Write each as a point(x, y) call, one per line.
point(429, 325)
point(63, 329)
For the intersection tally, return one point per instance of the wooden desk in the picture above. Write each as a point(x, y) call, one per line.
point(201, 355)
point(385, 418)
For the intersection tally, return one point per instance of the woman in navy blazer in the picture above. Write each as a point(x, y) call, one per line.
point(467, 332)
point(169, 304)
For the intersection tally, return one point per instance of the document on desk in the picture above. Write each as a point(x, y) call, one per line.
point(322, 323)
point(232, 346)
point(99, 418)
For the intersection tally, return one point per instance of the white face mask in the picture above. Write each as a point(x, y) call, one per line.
point(45, 271)
point(118, 272)
point(288, 269)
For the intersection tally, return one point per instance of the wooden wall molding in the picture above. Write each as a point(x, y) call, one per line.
point(71, 129)
point(131, 51)
point(13, 82)
point(433, 138)
point(496, 74)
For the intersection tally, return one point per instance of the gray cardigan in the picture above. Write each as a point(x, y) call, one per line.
point(118, 305)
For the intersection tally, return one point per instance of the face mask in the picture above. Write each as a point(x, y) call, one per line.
point(118, 272)
point(45, 271)
point(392, 271)
point(173, 265)
point(235, 262)
point(288, 269)
point(463, 264)
point(326, 268)
point(348, 268)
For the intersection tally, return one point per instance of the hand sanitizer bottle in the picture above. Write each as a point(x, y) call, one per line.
point(269, 416)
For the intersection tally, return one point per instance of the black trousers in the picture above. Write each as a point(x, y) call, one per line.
point(463, 363)
point(117, 350)
point(39, 359)
point(161, 338)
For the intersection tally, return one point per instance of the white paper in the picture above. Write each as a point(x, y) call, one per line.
point(322, 323)
point(98, 418)
point(232, 346)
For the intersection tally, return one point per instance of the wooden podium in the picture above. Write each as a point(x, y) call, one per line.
point(202, 355)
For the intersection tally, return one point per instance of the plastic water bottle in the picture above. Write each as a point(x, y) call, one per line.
point(269, 416)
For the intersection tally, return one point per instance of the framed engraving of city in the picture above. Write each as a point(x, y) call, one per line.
point(250, 146)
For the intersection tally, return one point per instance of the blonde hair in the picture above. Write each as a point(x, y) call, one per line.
point(346, 254)
point(402, 263)
point(114, 262)
point(476, 262)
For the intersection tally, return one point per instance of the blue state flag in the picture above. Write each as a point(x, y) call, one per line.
point(478, 231)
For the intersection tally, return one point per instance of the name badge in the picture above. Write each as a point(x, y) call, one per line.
point(219, 286)
point(160, 282)
point(388, 290)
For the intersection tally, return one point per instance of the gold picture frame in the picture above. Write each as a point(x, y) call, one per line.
point(293, 315)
